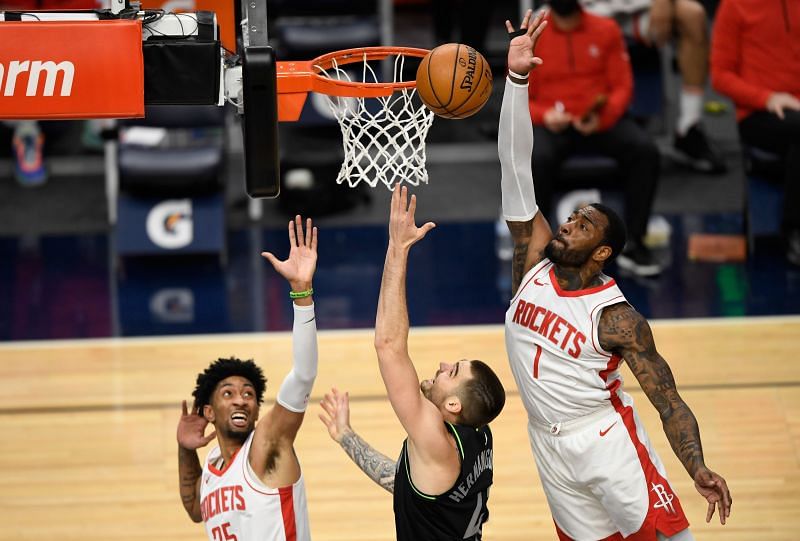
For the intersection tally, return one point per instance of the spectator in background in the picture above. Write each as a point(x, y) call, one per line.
point(755, 60)
point(578, 101)
point(27, 142)
point(657, 22)
point(27, 146)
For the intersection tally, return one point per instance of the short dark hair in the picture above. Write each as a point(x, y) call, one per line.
point(614, 235)
point(482, 396)
point(224, 368)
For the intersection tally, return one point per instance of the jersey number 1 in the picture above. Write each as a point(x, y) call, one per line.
point(536, 361)
point(221, 533)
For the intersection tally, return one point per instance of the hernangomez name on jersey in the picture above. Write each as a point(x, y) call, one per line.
point(235, 502)
point(551, 338)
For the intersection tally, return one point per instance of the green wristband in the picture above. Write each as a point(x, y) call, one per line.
point(301, 294)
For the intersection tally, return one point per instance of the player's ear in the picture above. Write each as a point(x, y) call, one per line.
point(601, 253)
point(208, 413)
point(453, 404)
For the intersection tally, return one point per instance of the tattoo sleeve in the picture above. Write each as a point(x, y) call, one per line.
point(521, 233)
point(625, 331)
point(376, 465)
point(190, 471)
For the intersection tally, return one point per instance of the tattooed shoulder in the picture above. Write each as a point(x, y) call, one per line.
point(620, 326)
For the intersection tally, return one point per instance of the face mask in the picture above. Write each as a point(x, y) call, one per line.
point(564, 7)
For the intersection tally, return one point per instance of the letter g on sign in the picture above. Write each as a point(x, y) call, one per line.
point(169, 224)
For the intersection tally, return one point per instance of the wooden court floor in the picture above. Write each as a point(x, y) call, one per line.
point(89, 453)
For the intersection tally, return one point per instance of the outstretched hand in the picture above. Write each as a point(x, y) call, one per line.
point(402, 229)
point(299, 267)
point(521, 59)
point(337, 408)
point(191, 429)
point(714, 489)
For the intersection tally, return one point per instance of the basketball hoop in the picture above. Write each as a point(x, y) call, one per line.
point(384, 123)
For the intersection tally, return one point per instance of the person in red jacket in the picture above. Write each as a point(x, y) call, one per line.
point(578, 103)
point(755, 60)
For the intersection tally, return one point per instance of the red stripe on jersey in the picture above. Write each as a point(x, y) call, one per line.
point(663, 515)
point(613, 364)
point(287, 510)
point(578, 292)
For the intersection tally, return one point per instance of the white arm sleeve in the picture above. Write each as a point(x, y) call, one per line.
point(515, 145)
point(296, 387)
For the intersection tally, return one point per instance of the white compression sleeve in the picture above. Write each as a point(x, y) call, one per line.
point(515, 145)
point(296, 387)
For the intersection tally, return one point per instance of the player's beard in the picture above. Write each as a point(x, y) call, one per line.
point(557, 252)
point(237, 434)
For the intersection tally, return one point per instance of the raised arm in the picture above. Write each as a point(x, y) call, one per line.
point(191, 436)
point(529, 229)
point(336, 418)
point(272, 453)
point(421, 419)
point(625, 331)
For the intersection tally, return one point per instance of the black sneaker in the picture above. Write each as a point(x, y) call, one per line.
point(639, 260)
point(694, 150)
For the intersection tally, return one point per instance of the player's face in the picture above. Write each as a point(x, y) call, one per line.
point(577, 238)
point(235, 407)
point(446, 381)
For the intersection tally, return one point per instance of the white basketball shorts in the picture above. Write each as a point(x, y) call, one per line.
point(603, 479)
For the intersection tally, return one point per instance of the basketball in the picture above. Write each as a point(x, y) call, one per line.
point(454, 80)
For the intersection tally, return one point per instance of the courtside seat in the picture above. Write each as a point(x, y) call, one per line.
point(764, 193)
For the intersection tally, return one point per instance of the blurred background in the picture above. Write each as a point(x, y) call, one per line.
point(67, 272)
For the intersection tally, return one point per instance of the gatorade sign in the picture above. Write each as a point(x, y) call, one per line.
point(71, 69)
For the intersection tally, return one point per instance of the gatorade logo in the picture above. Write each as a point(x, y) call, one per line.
point(169, 224)
point(173, 305)
point(28, 74)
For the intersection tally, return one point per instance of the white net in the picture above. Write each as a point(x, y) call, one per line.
point(384, 137)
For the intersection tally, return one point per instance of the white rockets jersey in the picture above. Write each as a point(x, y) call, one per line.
point(236, 505)
point(551, 339)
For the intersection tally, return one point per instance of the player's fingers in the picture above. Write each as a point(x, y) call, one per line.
point(298, 225)
point(427, 227)
point(403, 198)
point(314, 239)
point(412, 206)
point(526, 19)
point(710, 512)
point(292, 237)
point(184, 408)
point(270, 257)
point(538, 32)
point(209, 437)
point(509, 26)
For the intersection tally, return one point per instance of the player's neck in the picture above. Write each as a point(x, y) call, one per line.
point(228, 448)
point(576, 278)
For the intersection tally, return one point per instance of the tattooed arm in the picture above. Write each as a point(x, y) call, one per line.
point(626, 332)
point(529, 239)
point(191, 436)
point(377, 466)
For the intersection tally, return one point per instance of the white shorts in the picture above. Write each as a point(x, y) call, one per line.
point(602, 478)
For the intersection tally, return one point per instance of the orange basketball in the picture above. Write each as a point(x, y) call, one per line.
point(454, 80)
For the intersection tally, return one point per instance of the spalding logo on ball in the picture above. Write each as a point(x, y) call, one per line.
point(454, 80)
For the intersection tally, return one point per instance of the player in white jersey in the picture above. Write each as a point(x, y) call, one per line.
point(251, 486)
point(568, 328)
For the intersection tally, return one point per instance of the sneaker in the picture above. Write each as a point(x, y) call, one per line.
point(639, 260)
point(694, 150)
point(793, 247)
point(29, 167)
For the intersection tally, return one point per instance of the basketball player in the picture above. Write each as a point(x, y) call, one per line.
point(251, 486)
point(567, 330)
point(442, 480)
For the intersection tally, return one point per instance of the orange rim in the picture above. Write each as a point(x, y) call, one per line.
point(309, 76)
